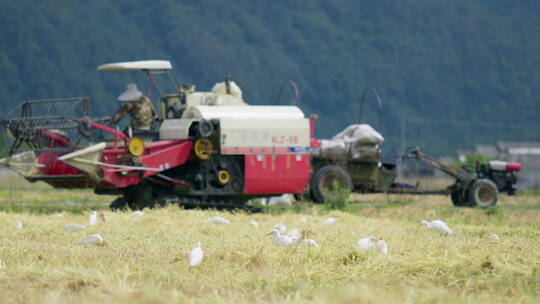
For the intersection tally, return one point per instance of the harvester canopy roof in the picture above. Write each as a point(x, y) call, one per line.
point(136, 65)
point(244, 112)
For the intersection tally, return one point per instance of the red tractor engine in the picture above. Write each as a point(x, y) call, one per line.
point(502, 173)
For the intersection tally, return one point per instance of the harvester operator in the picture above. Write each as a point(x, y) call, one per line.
point(138, 106)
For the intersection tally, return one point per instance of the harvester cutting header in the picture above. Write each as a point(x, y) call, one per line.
point(197, 148)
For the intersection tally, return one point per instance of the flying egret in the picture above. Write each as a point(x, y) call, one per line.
point(382, 247)
point(219, 220)
point(309, 243)
point(254, 223)
point(438, 225)
point(329, 221)
point(18, 225)
point(92, 219)
point(280, 240)
point(281, 228)
point(368, 243)
point(196, 255)
point(495, 237)
point(91, 239)
point(74, 227)
point(137, 213)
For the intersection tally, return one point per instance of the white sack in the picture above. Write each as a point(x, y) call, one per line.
point(360, 133)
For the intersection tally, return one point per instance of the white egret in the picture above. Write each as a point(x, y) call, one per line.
point(74, 227)
point(137, 213)
point(281, 228)
point(102, 216)
point(495, 237)
point(382, 247)
point(284, 199)
point(196, 255)
point(438, 225)
point(293, 235)
point(91, 239)
point(219, 220)
point(303, 219)
point(329, 221)
point(368, 243)
point(18, 225)
point(92, 219)
point(309, 243)
point(254, 223)
point(280, 240)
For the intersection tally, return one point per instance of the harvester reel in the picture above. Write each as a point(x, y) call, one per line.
point(87, 131)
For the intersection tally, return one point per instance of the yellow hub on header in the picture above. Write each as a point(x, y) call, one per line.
point(136, 146)
point(203, 148)
point(223, 177)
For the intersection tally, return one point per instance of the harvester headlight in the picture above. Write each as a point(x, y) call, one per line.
point(136, 146)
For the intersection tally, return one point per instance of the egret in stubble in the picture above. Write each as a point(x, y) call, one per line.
point(196, 255)
point(280, 240)
point(74, 227)
point(329, 221)
point(219, 220)
point(309, 243)
point(370, 243)
point(293, 235)
point(438, 225)
point(102, 216)
point(92, 219)
point(18, 225)
point(91, 239)
point(382, 247)
point(137, 214)
point(367, 243)
point(281, 228)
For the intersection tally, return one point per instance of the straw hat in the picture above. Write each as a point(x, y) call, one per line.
point(131, 93)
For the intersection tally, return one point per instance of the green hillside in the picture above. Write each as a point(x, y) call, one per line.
point(456, 72)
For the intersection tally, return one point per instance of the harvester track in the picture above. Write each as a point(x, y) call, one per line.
point(193, 203)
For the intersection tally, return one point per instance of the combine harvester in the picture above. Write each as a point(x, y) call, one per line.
point(207, 149)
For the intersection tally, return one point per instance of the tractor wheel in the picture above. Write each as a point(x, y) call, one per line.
point(483, 193)
point(457, 198)
point(324, 179)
